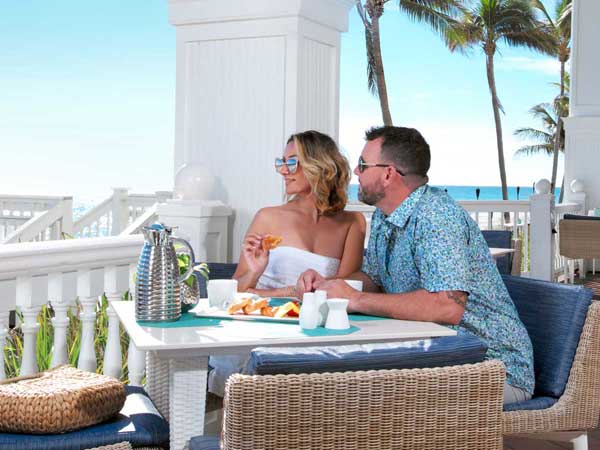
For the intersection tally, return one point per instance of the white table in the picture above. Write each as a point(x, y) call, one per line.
point(498, 252)
point(178, 357)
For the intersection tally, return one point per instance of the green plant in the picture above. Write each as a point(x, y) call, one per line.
point(183, 262)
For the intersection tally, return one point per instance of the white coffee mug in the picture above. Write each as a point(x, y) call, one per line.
point(221, 292)
point(355, 284)
point(337, 318)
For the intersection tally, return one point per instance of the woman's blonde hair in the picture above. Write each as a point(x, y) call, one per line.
point(325, 168)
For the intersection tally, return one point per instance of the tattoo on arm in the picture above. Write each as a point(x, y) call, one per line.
point(459, 297)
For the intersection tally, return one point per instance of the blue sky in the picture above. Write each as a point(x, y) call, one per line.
point(87, 98)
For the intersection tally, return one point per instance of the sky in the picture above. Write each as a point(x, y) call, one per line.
point(87, 98)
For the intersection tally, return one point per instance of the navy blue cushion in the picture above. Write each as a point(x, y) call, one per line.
point(437, 352)
point(138, 423)
point(553, 314)
point(579, 217)
point(500, 239)
point(534, 403)
point(205, 443)
point(217, 271)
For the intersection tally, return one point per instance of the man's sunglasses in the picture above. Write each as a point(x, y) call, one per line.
point(362, 165)
point(291, 163)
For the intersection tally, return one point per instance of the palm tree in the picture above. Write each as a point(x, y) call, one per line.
point(543, 138)
point(436, 13)
point(560, 27)
point(488, 23)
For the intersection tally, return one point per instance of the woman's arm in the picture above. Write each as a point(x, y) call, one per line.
point(253, 259)
point(354, 247)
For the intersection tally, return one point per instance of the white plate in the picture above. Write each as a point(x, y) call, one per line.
point(203, 309)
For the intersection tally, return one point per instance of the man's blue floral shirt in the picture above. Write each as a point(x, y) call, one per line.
point(430, 242)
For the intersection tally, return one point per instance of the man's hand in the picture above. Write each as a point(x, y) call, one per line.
point(339, 289)
point(307, 282)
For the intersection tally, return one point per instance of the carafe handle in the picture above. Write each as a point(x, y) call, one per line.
point(190, 251)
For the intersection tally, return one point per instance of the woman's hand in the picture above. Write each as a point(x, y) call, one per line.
point(307, 282)
point(256, 258)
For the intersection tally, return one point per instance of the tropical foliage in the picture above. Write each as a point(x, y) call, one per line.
point(486, 25)
point(438, 14)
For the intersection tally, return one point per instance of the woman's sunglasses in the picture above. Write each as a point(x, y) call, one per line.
point(291, 163)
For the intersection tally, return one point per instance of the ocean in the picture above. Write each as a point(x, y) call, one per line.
point(470, 192)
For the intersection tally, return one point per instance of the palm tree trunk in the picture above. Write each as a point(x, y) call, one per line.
point(559, 127)
point(381, 86)
point(497, 120)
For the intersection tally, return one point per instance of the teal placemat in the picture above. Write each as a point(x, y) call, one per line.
point(320, 331)
point(278, 301)
point(186, 320)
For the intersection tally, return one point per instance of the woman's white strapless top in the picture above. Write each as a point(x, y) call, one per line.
point(287, 263)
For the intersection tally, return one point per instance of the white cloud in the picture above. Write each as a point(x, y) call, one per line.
point(511, 63)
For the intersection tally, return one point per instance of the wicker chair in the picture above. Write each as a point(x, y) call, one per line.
point(564, 326)
point(579, 238)
point(440, 408)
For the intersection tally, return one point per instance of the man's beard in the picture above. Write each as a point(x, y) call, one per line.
point(370, 197)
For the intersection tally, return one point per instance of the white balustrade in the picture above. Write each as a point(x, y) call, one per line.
point(136, 359)
point(53, 273)
point(4, 315)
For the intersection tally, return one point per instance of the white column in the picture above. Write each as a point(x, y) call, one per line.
point(249, 74)
point(542, 240)
point(204, 224)
point(3, 333)
point(30, 311)
point(112, 352)
point(88, 290)
point(582, 152)
point(60, 321)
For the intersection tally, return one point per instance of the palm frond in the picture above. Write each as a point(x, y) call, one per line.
point(535, 149)
point(533, 133)
point(564, 11)
point(438, 14)
point(540, 6)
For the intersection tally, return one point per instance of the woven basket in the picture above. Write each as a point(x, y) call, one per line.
point(58, 400)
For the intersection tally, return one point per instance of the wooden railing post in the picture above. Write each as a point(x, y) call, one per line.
point(29, 326)
point(120, 210)
point(542, 239)
point(61, 319)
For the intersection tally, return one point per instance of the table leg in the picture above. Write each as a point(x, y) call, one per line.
point(187, 399)
point(157, 382)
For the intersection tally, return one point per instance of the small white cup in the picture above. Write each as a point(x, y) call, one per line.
point(355, 284)
point(337, 318)
point(221, 292)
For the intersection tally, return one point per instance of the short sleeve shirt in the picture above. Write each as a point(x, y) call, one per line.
point(430, 242)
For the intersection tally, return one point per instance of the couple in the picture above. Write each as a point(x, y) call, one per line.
point(426, 259)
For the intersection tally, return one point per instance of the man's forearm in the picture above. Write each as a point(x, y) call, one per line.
point(444, 307)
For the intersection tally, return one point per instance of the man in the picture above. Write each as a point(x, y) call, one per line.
point(427, 259)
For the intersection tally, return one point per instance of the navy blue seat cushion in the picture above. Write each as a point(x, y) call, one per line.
point(436, 352)
point(205, 443)
point(554, 315)
point(217, 271)
point(579, 217)
point(138, 423)
point(534, 403)
point(500, 239)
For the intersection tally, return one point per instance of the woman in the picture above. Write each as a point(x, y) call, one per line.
point(317, 233)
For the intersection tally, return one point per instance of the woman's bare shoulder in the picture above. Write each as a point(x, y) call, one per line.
point(352, 218)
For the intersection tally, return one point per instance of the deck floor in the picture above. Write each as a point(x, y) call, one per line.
point(537, 444)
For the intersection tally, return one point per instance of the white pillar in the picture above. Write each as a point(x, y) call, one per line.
point(582, 152)
point(204, 224)
point(120, 210)
point(249, 74)
point(542, 240)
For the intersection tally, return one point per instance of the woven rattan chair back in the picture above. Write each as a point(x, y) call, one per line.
point(441, 408)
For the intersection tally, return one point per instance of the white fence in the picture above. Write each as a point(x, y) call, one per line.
point(28, 219)
point(56, 273)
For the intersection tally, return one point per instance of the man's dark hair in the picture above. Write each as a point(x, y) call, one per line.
point(403, 147)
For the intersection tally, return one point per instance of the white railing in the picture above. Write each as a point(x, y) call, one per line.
point(117, 213)
point(17, 210)
point(146, 218)
point(56, 273)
